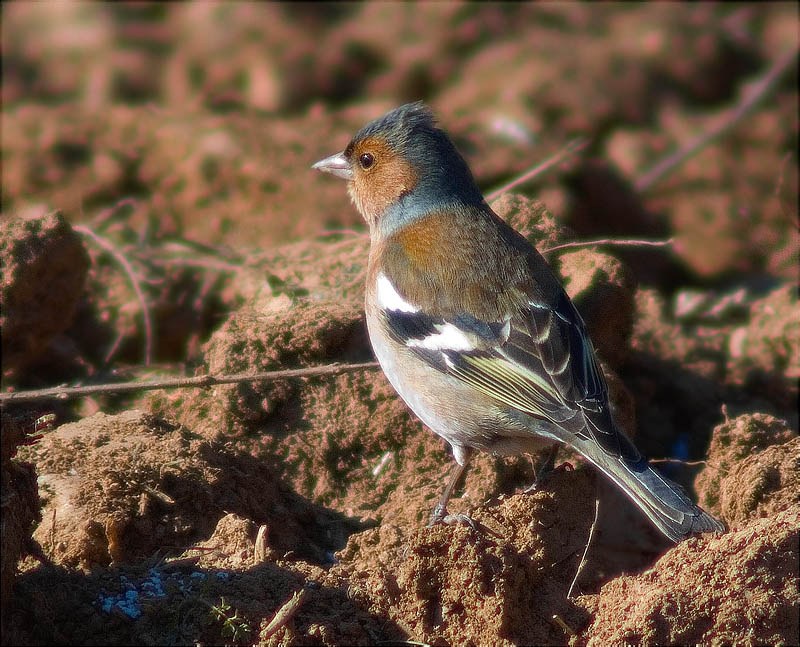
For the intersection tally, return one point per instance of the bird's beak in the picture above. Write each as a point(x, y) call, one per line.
point(336, 165)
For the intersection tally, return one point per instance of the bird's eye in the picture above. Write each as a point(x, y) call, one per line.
point(366, 160)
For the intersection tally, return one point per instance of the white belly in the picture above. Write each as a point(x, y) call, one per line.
point(452, 409)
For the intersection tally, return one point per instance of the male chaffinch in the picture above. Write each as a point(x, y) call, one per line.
point(471, 326)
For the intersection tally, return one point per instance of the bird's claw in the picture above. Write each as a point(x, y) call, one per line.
point(441, 516)
point(545, 476)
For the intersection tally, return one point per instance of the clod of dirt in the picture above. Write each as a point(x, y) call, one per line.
point(531, 218)
point(499, 585)
point(273, 333)
point(44, 266)
point(118, 488)
point(20, 506)
point(753, 469)
point(339, 441)
point(231, 545)
point(714, 589)
point(656, 333)
point(770, 342)
point(302, 306)
point(707, 349)
point(603, 290)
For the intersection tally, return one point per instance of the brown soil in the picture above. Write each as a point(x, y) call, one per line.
point(180, 137)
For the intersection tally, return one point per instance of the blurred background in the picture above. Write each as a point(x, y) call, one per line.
point(180, 137)
point(205, 116)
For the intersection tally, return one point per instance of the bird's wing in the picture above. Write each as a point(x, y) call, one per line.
point(539, 360)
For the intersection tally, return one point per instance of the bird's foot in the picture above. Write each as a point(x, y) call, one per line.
point(441, 516)
point(542, 476)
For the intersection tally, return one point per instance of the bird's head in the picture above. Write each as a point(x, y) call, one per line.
point(401, 167)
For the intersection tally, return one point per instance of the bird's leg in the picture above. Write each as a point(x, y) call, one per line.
point(440, 511)
point(440, 514)
point(545, 468)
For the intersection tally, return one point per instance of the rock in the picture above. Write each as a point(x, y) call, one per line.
point(770, 342)
point(710, 590)
point(121, 488)
point(20, 506)
point(44, 268)
point(753, 469)
point(531, 218)
point(603, 289)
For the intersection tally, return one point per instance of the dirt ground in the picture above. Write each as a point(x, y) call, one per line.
point(160, 219)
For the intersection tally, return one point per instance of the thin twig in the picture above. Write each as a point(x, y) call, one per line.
point(123, 261)
point(201, 263)
point(284, 614)
point(183, 245)
point(583, 563)
point(678, 461)
point(610, 241)
point(751, 97)
point(563, 625)
point(112, 349)
point(53, 534)
point(343, 232)
point(779, 187)
point(200, 381)
point(261, 547)
point(572, 148)
point(105, 215)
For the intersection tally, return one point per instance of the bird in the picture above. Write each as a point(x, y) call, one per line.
point(471, 326)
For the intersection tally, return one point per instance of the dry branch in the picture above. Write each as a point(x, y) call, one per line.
point(284, 614)
point(583, 561)
point(123, 261)
point(618, 242)
point(572, 148)
point(200, 381)
point(751, 96)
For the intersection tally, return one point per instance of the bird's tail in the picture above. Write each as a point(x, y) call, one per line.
point(663, 501)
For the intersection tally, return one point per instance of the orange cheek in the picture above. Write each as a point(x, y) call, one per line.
point(374, 190)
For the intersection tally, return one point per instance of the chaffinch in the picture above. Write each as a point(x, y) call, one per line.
point(471, 326)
